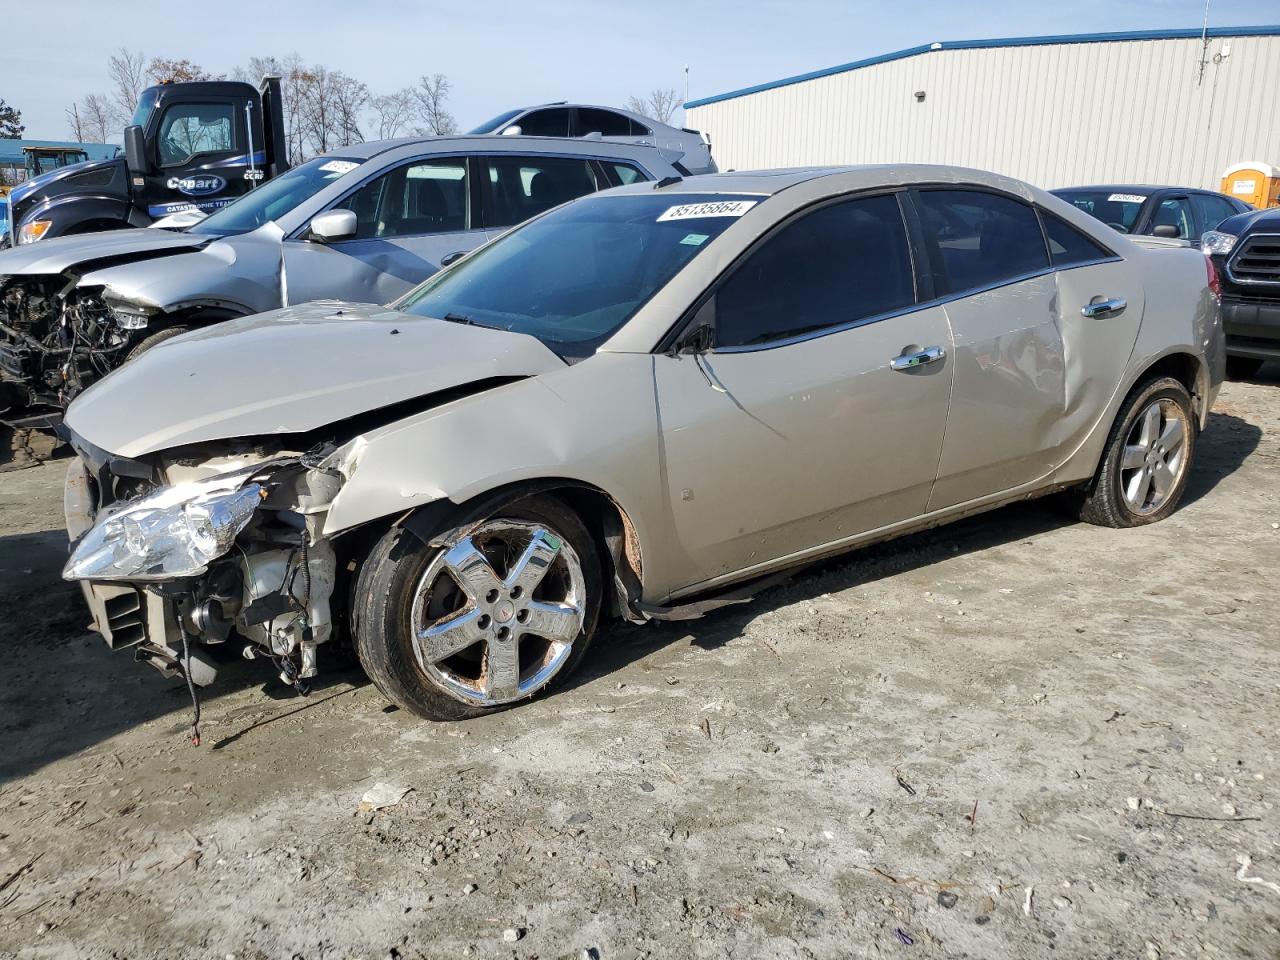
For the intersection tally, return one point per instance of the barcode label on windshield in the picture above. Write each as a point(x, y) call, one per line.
point(1126, 198)
point(720, 208)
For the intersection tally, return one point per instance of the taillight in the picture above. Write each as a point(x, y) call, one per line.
point(1215, 282)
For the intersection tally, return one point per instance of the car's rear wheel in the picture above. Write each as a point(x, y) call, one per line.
point(499, 612)
point(1144, 469)
point(1242, 368)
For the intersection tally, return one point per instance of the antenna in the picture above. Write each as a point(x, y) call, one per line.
point(1204, 45)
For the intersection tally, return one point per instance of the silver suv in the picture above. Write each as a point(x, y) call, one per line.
point(365, 223)
point(685, 149)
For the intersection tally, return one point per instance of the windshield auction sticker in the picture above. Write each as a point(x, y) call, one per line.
point(338, 166)
point(720, 208)
point(1126, 198)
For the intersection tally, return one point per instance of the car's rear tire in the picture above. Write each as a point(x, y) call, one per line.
point(1147, 460)
point(1242, 368)
point(502, 611)
point(149, 341)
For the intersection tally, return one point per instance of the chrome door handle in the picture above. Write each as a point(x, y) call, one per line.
point(909, 361)
point(1104, 308)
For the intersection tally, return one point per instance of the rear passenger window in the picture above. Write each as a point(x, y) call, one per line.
point(604, 122)
point(1067, 245)
point(842, 263)
point(977, 239)
point(625, 172)
point(522, 187)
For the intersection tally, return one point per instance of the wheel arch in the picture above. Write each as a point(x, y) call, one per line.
point(605, 518)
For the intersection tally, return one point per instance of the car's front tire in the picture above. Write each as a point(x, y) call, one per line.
point(1145, 466)
point(151, 340)
point(502, 611)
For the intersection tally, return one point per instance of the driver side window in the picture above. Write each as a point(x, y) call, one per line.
point(191, 128)
point(417, 199)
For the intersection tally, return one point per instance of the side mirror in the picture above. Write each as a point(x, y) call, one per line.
point(1166, 230)
point(135, 151)
point(511, 131)
point(332, 226)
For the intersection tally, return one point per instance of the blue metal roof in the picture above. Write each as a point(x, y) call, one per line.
point(1189, 34)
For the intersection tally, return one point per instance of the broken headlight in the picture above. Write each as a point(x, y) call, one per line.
point(174, 532)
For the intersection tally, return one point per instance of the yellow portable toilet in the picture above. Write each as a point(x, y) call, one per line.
point(1254, 182)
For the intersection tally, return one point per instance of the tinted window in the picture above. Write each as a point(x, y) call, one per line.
point(604, 122)
point(638, 129)
point(420, 198)
point(575, 276)
point(545, 123)
point(1119, 211)
point(978, 239)
point(1175, 212)
point(625, 172)
point(838, 264)
point(1067, 245)
point(522, 187)
point(496, 124)
point(191, 128)
point(276, 197)
point(1211, 210)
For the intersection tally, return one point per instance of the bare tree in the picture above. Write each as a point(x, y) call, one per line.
point(350, 97)
point(164, 70)
point(394, 112)
point(128, 71)
point(660, 105)
point(91, 120)
point(432, 94)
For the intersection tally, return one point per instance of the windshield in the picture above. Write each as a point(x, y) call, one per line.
point(146, 103)
point(574, 276)
point(276, 197)
point(501, 120)
point(1117, 209)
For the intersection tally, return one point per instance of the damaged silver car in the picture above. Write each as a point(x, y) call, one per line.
point(641, 404)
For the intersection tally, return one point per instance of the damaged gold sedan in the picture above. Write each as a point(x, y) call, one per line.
point(640, 405)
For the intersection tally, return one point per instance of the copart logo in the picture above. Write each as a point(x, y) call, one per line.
point(200, 186)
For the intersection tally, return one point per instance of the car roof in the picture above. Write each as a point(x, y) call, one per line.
point(1146, 188)
point(486, 143)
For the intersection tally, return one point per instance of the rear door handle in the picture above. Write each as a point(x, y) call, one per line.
point(909, 361)
point(1104, 308)
point(453, 257)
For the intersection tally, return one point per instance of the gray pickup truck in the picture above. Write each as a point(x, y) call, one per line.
point(364, 223)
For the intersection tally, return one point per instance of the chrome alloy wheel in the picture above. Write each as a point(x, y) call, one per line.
point(496, 615)
point(1155, 456)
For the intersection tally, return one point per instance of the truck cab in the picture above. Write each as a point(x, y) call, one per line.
point(42, 160)
point(190, 146)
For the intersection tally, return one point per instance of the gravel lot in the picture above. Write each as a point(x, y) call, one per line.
point(1013, 737)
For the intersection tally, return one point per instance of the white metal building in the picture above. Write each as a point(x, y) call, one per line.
point(1055, 111)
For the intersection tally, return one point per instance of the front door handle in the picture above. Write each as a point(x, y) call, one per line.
point(909, 361)
point(1099, 308)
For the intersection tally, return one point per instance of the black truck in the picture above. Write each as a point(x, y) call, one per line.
point(196, 145)
point(1246, 250)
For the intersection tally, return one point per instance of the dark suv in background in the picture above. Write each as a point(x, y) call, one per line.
point(1246, 250)
point(1176, 213)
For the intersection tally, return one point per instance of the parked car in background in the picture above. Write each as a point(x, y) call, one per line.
point(1175, 213)
point(1246, 250)
point(4, 222)
point(364, 224)
point(687, 150)
point(633, 401)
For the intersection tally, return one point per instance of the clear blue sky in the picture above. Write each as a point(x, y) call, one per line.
point(501, 54)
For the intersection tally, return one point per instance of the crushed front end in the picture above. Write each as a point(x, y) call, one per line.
point(188, 549)
point(57, 338)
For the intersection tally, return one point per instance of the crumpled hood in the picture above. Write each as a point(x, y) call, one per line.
point(290, 371)
point(61, 253)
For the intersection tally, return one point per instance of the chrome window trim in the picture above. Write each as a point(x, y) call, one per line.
point(1237, 250)
point(935, 302)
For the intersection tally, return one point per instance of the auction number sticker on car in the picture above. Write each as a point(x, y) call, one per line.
point(1127, 198)
point(338, 166)
point(718, 208)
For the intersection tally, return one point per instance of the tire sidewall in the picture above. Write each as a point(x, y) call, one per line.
point(1163, 388)
point(385, 595)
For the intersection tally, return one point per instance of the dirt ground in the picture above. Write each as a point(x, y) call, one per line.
point(1013, 737)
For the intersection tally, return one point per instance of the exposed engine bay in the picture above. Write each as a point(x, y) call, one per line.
point(182, 551)
point(57, 338)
